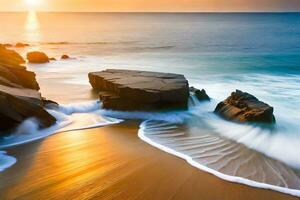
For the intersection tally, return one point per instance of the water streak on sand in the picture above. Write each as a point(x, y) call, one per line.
point(69, 118)
point(226, 159)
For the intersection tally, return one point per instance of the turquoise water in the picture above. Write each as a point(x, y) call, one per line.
point(255, 52)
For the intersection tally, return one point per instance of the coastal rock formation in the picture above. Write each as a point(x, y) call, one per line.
point(200, 94)
point(7, 45)
point(140, 90)
point(63, 57)
point(244, 107)
point(37, 57)
point(12, 71)
point(19, 96)
point(21, 45)
point(18, 104)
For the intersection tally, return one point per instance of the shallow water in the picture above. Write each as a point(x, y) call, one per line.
point(257, 53)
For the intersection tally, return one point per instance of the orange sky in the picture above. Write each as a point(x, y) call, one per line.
point(153, 5)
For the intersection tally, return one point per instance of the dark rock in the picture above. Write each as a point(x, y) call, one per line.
point(17, 105)
point(200, 94)
point(53, 59)
point(19, 96)
point(21, 45)
point(49, 103)
point(140, 90)
point(244, 107)
point(63, 57)
point(37, 57)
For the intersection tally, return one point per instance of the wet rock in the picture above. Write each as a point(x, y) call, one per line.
point(19, 104)
point(200, 94)
point(140, 90)
point(19, 96)
point(49, 103)
point(64, 57)
point(52, 59)
point(37, 57)
point(21, 45)
point(244, 107)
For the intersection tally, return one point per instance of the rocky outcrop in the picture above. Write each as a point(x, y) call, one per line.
point(244, 107)
point(200, 94)
point(64, 57)
point(140, 90)
point(19, 104)
point(21, 45)
point(19, 96)
point(12, 71)
point(7, 45)
point(37, 57)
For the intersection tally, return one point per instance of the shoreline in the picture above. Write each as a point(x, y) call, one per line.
point(112, 162)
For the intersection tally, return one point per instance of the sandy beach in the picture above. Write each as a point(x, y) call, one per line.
point(111, 163)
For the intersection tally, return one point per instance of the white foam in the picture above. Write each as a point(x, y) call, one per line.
point(6, 161)
point(171, 116)
point(226, 177)
point(273, 143)
point(69, 118)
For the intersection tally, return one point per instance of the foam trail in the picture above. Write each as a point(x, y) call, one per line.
point(6, 161)
point(266, 141)
point(69, 117)
point(237, 179)
point(171, 116)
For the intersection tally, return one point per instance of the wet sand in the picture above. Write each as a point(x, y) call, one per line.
point(112, 163)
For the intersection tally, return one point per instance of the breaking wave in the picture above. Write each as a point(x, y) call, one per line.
point(69, 118)
point(249, 154)
point(6, 161)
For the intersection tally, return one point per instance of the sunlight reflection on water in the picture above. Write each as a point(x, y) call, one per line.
point(32, 27)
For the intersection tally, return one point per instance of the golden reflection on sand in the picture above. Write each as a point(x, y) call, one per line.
point(32, 27)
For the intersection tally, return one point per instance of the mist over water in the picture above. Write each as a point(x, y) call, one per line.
point(256, 53)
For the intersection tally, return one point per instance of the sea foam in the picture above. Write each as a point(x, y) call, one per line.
point(199, 150)
point(6, 161)
point(69, 117)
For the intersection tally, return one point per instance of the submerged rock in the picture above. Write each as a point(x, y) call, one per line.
point(19, 96)
point(200, 94)
point(64, 57)
point(37, 57)
point(244, 107)
point(140, 90)
point(21, 45)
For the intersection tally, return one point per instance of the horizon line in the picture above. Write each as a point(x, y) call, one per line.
point(179, 12)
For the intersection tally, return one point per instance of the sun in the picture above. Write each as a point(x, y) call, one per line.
point(32, 3)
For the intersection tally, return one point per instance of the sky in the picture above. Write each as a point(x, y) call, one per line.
point(151, 5)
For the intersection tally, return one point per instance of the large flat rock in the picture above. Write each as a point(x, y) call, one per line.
point(140, 90)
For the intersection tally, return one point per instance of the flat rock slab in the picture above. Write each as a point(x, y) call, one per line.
point(140, 90)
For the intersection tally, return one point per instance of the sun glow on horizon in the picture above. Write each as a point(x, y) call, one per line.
point(32, 3)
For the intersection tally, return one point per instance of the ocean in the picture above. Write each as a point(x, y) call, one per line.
point(255, 52)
